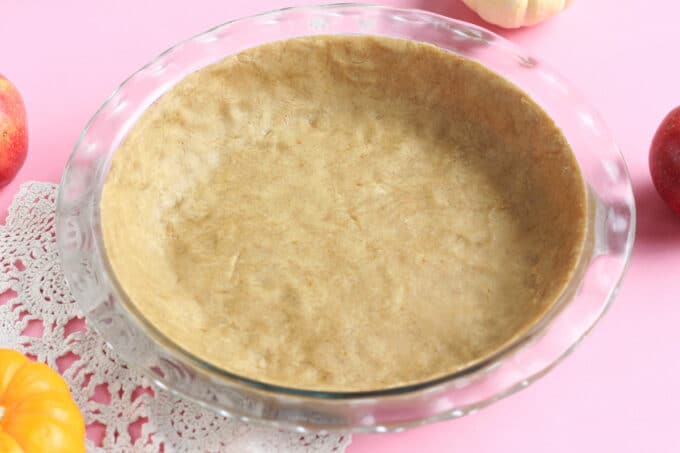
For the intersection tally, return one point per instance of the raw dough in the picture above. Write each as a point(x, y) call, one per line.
point(343, 213)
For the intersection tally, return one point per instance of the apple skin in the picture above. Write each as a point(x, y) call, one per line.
point(13, 131)
point(664, 160)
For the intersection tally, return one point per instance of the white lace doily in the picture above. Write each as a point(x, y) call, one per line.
point(109, 394)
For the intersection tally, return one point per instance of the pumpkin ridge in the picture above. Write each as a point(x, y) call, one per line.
point(38, 411)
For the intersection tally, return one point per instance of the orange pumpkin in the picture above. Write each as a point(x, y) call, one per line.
point(37, 413)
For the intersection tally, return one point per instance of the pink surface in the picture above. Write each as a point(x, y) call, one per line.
point(619, 391)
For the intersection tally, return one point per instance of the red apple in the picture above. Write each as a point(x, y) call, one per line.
point(664, 160)
point(13, 131)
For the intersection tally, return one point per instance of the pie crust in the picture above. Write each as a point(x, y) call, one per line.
point(343, 213)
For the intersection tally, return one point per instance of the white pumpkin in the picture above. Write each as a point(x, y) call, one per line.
point(516, 13)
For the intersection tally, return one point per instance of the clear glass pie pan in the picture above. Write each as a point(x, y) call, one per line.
point(610, 232)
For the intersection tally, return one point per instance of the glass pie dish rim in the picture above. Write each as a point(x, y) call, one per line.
point(517, 343)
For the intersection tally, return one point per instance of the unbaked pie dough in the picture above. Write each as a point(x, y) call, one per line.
point(343, 213)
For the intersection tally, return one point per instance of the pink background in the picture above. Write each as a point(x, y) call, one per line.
point(620, 391)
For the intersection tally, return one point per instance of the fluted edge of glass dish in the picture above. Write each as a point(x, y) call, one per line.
point(610, 232)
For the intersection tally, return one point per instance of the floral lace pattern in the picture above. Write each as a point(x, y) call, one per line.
point(39, 317)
